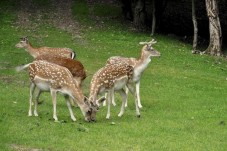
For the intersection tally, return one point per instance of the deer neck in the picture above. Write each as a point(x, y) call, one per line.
point(93, 93)
point(31, 50)
point(140, 66)
point(143, 60)
point(77, 94)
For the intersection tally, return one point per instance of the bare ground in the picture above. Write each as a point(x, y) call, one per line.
point(57, 13)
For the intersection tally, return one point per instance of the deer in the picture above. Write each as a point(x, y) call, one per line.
point(51, 77)
point(74, 66)
point(110, 78)
point(139, 65)
point(35, 52)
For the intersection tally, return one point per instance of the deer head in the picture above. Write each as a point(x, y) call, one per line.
point(23, 42)
point(148, 49)
point(95, 108)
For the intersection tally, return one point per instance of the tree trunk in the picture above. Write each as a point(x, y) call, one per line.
point(195, 27)
point(215, 44)
point(127, 9)
point(160, 6)
point(153, 18)
point(139, 14)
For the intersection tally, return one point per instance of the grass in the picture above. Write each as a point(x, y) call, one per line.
point(183, 95)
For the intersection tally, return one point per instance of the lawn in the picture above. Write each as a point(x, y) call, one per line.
point(183, 95)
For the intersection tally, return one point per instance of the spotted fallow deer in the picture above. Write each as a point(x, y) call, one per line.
point(110, 78)
point(35, 52)
point(138, 64)
point(54, 78)
point(75, 67)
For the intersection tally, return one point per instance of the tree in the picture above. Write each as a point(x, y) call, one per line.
point(195, 27)
point(153, 18)
point(139, 14)
point(127, 9)
point(160, 7)
point(215, 44)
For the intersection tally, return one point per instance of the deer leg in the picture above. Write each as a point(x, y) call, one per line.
point(124, 97)
point(104, 102)
point(126, 101)
point(37, 96)
point(138, 93)
point(72, 102)
point(70, 108)
point(53, 94)
point(132, 90)
point(36, 103)
point(113, 99)
point(32, 88)
point(110, 94)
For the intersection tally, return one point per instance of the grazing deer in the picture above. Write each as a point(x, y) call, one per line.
point(54, 78)
point(35, 52)
point(74, 66)
point(138, 64)
point(110, 78)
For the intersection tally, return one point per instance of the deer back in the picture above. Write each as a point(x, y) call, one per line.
point(62, 52)
point(57, 76)
point(74, 66)
point(106, 77)
point(119, 59)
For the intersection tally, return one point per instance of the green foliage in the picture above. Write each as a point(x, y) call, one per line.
point(183, 95)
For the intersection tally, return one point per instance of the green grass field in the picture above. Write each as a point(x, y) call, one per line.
point(183, 95)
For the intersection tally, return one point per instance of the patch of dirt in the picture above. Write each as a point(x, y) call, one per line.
point(58, 13)
point(6, 79)
point(9, 79)
point(23, 148)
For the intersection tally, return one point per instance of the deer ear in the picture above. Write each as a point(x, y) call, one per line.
point(94, 106)
point(86, 100)
point(26, 38)
point(102, 99)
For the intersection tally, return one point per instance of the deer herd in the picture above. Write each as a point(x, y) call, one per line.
point(55, 70)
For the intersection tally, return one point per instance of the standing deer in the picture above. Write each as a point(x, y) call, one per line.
point(110, 78)
point(138, 64)
point(35, 52)
point(54, 78)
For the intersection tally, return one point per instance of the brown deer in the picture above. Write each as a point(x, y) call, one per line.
point(110, 78)
point(75, 67)
point(35, 52)
point(54, 78)
point(138, 64)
